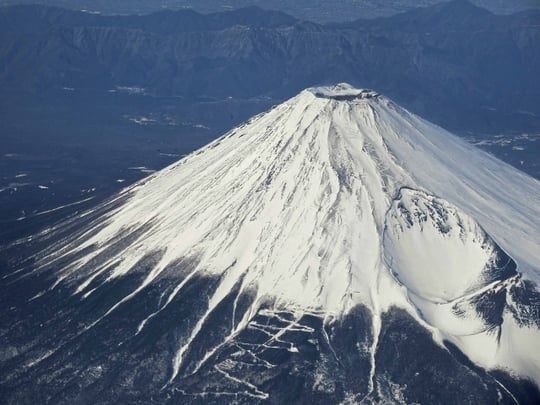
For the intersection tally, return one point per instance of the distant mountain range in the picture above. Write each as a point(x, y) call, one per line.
point(459, 65)
point(314, 10)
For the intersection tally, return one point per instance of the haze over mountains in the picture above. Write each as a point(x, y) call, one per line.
point(335, 248)
point(313, 10)
point(91, 103)
point(456, 64)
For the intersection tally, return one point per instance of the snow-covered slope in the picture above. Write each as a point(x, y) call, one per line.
point(333, 199)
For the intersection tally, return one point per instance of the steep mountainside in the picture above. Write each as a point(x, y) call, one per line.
point(336, 247)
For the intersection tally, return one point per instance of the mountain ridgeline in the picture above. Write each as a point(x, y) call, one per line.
point(313, 10)
point(454, 63)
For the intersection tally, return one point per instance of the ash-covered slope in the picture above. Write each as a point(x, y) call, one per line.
point(334, 248)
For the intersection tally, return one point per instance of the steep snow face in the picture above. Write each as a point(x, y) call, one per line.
point(293, 205)
point(454, 273)
point(293, 201)
point(452, 257)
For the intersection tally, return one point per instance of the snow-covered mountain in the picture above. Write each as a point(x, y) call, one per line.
point(335, 248)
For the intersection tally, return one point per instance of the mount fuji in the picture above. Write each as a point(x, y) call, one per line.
point(335, 249)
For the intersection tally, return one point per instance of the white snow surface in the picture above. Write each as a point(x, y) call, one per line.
point(295, 203)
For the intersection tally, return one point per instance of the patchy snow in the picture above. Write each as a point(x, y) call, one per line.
point(142, 169)
point(130, 90)
point(40, 213)
point(14, 186)
point(295, 203)
point(142, 120)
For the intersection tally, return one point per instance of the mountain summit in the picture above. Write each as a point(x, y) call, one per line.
point(336, 247)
